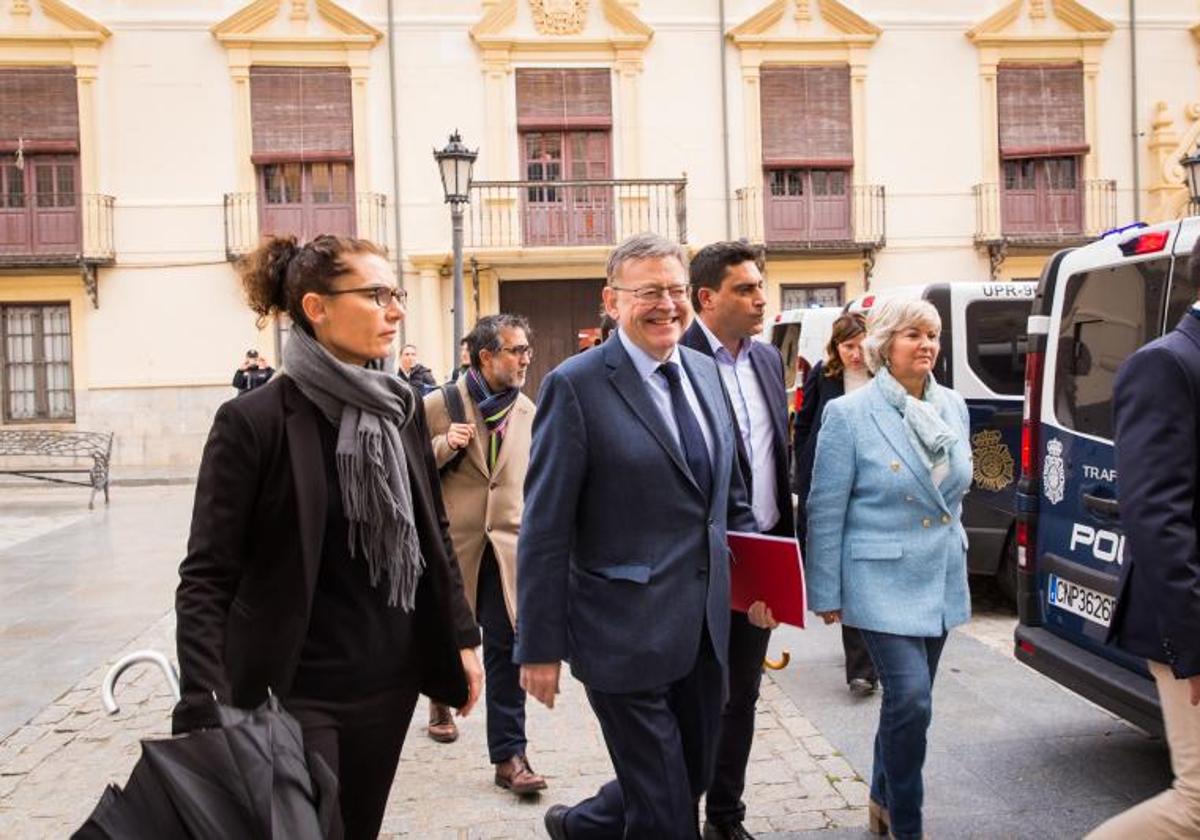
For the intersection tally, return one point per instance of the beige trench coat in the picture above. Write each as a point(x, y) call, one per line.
point(483, 506)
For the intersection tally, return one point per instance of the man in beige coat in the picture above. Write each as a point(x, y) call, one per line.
point(481, 427)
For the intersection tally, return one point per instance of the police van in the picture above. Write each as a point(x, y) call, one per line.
point(1095, 305)
point(800, 336)
point(982, 357)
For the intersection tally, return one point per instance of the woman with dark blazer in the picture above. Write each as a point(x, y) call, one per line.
point(319, 566)
point(843, 369)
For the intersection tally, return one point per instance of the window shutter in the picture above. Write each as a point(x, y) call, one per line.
point(562, 100)
point(301, 114)
point(39, 110)
point(806, 117)
point(1041, 110)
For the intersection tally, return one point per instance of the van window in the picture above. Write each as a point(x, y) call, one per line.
point(1183, 291)
point(1107, 314)
point(996, 343)
point(786, 337)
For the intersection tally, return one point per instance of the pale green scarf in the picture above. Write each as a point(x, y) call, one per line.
point(927, 431)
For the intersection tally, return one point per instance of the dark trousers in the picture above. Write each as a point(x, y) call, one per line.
point(858, 658)
point(360, 740)
point(504, 697)
point(662, 743)
point(747, 648)
point(907, 665)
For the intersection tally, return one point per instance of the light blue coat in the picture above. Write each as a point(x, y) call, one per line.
point(886, 545)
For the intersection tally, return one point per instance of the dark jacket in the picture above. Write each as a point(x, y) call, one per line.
point(247, 380)
point(247, 583)
point(1156, 402)
point(622, 561)
point(420, 378)
point(768, 370)
point(819, 389)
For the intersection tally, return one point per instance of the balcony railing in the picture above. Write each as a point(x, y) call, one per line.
point(854, 221)
point(54, 230)
point(1044, 217)
point(530, 214)
point(249, 218)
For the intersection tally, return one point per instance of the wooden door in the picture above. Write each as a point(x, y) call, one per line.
point(306, 199)
point(1042, 196)
point(56, 221)
point(807, 205)
point(16, 228)
point(787, 205)
point(591, 220)
point(558, 310)
point(830, 213)
point(1062, 205)
point(544, 219)
point(1021, 205)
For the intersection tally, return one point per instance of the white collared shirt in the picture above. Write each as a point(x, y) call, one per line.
point(660, 391)
point(753, 417)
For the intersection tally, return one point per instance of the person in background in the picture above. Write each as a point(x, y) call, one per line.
point(319, 566)
point(415, 373)
point(842, 371)
point(887, 548)
point(254, 371)
point(464, 361)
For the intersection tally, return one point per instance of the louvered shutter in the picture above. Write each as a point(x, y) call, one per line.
point(1041, 110)
point(39, 110)
point(301, 114)
point(563, 99)
point(806, 117)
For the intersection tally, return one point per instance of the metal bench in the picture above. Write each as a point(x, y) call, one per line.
point(35, 445)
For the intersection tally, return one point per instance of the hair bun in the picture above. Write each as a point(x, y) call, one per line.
point(264, 274)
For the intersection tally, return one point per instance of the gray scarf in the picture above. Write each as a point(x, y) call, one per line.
point(369, 408)
point(930, 435)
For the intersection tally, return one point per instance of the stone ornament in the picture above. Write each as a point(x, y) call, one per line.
point(559, 17)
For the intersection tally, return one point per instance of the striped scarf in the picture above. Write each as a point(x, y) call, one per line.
point(495, 409)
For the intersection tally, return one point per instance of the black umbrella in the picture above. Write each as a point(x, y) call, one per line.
point(250, 777)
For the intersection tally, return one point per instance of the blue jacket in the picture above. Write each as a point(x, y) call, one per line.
point(886, 545)
point(622, 562)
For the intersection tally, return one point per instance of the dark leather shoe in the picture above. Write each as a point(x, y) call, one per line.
point(516, 775)
point(556, 822)
point(726, 831)
point(441, 724)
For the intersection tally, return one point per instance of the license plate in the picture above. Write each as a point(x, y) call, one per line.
point(1073, 598)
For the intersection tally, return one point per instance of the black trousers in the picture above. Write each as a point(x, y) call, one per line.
point(662, 743)
point(360, 740)
point(858, 659)
point(747, 648)
point(503, 695)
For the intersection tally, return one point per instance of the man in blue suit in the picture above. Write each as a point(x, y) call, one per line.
point(623, 568)
point(1156, 403)
point(728, 295)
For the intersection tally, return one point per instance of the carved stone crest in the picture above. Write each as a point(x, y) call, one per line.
point(559, 17)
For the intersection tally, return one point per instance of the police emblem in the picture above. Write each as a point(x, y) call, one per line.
point(1054, 476)
point(993, 461)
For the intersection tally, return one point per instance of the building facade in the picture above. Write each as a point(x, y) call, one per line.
point(146, 144)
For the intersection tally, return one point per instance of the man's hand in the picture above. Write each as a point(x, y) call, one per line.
point(541, 680)
point(831, 617)
point(474, 675)
point(760, 616)
point(459, 435)
point(1194, 682)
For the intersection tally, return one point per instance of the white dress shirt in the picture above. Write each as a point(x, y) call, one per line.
point(754, 424)
point(660, 390)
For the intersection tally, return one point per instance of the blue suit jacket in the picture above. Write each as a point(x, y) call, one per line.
point(886, 545)
point(1157, 406)
point(621, 560)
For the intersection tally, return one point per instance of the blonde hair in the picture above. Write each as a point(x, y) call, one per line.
point(889, 317)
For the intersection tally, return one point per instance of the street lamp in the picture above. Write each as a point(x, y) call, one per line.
point(455, 162)
point(1191, 165)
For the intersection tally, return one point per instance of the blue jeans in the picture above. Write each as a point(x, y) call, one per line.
point(906, 667)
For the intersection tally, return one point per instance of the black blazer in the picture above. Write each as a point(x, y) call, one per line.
point(247, 583)
point(768, 369)
point(1158, 457)
point(819, 389)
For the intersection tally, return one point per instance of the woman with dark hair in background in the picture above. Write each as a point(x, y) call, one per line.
point(842, 371)
point(319, 566)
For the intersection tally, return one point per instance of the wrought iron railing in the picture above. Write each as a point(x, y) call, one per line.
point(61, 229)
point(1096, 213)
point(865, 224)
point(524, 214)
point(247, 219)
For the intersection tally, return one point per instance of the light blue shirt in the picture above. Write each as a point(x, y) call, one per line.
point(754, 424)
point(660, 391)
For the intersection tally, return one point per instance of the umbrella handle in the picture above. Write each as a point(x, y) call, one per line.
point(122, 664)
point(779, 665)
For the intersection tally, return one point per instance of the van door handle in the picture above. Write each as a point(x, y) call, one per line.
point(1102, 506)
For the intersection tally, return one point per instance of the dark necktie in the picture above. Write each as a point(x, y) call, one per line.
point(695, 451)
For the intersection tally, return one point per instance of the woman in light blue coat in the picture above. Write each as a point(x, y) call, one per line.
point(887, 552)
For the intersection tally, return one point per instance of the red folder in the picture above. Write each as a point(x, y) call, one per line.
point(767, 569)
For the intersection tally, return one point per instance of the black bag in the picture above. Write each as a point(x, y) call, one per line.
point(458, 414)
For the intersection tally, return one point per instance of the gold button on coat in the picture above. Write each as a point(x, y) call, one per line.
point(925, 523)
point(945, 519)
point(895, 465)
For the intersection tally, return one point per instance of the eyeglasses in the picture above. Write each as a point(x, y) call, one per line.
point(382, 295)
point(653, 294)
point(519, 350)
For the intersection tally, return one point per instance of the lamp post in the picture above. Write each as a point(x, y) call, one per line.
point(455, 162)
point(1191, 165)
